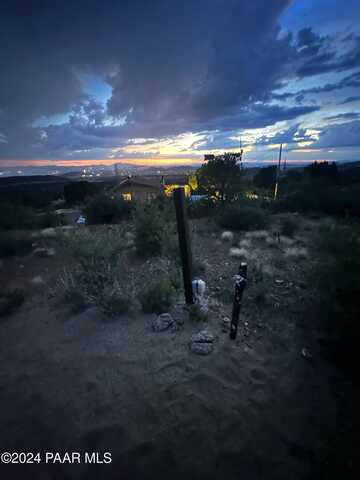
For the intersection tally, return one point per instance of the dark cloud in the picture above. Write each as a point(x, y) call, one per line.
point(351, 99)
point(318, 54)
point(340, 135)
point(173, 66)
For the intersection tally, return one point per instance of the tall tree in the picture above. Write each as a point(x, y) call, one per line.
point(220, 176)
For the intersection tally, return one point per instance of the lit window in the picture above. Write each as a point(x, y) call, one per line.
point(127, 197)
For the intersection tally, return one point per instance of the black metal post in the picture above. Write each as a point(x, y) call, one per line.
point(240, 283)
point(184, 243)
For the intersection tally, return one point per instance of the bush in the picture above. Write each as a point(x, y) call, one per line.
point(11, 301)
point(205, 207)
point(197, 313)
point(78, 192)
point(96, 273)
point(104, 209)
point(16, 217)
point(115, 302)
point(335, 275)
point(150, 229)
point(235, 217)
point(12, 244)
point(288, 225)
point(158, 297)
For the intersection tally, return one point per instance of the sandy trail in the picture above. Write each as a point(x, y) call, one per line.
point(84, 383)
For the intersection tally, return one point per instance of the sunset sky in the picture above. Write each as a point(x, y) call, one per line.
point(166, 81)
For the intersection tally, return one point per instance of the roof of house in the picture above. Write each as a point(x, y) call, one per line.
point(156, 182)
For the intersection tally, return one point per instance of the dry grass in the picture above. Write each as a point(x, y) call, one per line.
point(257, 234)
point(296, 253)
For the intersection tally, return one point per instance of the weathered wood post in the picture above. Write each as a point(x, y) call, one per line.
point(240, 283)
point(184, 243)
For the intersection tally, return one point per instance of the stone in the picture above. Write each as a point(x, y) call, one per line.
point(162, 322)
point(38, 280)
point(227, 236)
point(48, 232)
point(237, 252)
point(202, 343)
point(44, 252)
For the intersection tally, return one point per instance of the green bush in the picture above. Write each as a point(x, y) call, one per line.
point(150, 229)
point(235, 217)
point(11, 301)
point(197, 313)
point(158, 297)
point(335, 275)
point(115, 301)
point(14, 243)
point(104, 209)
point(96, 270)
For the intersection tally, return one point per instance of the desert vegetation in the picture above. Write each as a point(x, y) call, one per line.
point(109, 295)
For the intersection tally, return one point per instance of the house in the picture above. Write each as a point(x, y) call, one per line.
point(144, 188)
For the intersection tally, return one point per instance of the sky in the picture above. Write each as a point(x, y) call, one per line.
point(166, 81)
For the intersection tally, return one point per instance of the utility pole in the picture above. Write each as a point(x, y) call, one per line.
point(278, 174)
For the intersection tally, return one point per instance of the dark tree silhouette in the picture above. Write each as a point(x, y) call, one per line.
point(220, 176)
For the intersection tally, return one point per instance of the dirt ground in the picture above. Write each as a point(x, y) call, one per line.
point(259, 407)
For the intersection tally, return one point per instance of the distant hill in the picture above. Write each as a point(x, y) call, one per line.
point(32, 179)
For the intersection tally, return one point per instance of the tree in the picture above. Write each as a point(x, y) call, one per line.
point(265, 177)
point(220, 176)
point(323, 171)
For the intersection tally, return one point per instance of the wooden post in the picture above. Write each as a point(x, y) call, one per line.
point(240, 283)
point(184, 243)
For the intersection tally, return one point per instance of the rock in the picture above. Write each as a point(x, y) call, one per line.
point(279, 281)
point(66, 229)
point(38, 280)
point(202, 343)
point(227, 236)
point(237, 252)
point(48, 232)
point(44, 252)
point(162, 322)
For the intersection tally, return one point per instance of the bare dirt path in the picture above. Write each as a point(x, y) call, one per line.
point(254, 409)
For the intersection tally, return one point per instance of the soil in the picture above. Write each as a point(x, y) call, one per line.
point(268, 405)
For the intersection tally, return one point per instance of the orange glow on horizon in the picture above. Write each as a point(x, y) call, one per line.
point(98, 162)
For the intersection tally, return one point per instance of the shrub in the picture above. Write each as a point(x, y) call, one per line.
point(12, 243)
point(197, 313)
point(335, 275)
point(78, 192)
point(158, 297)
point(235, 217)
point(11, 301)
point(104, 209)
point(16, 217)
point(204, 207)
point(115, 301)
point(149, 231)
point(288, 225)
point(95, 277)
point(48, 219)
